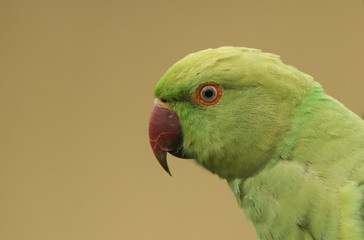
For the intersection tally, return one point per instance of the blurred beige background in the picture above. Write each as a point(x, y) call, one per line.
point(76, 90)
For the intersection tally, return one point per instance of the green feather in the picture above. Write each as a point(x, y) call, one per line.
point(292, 155)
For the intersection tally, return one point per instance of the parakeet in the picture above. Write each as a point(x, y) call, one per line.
point(292, 155)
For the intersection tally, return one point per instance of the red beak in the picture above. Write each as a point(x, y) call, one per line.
point(164, 133)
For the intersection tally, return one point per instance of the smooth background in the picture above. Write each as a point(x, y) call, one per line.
point(76, 91)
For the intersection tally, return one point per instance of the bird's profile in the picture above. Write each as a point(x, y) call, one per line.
point(292, 155)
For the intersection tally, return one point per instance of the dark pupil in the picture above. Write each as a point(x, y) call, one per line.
point(208, 93)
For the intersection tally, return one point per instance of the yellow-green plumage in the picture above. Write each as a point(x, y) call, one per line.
point(292, 155)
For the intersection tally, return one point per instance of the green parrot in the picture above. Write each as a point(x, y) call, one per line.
point(292, 155)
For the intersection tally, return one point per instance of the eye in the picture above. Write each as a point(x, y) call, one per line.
point(208, 93)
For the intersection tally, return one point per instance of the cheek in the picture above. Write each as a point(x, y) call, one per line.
point(202, 135)
point(207, 130)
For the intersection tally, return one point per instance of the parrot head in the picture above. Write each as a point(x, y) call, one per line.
point(227, 108)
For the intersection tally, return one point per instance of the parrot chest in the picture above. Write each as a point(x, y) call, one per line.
point(288, 202)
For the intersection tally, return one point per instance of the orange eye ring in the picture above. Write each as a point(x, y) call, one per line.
point(208, 94)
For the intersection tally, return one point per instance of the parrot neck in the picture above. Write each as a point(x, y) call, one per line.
point(285, 148)
point(323, 133)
